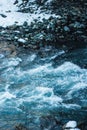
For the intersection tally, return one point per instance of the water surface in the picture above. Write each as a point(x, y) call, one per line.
point(33, 87)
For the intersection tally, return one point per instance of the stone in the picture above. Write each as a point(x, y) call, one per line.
point(71, 124)
point(4, 16)
point(25, 24)
point(16, 2)
point(20, 127)
point(66, 29)
point(56, 128)
point(78, 25)
point(22, 40)
point(16, 38)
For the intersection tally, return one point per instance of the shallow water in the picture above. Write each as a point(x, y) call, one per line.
point(31, 88)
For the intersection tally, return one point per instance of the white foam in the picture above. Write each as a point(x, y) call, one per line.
point(71, 106)
point(1, 56)
point(77, 87)
point(58, 54)
point(68, 67)
point(44, 95)
point(14, 61)
point(11, 62)
point(6, 95)
point(65, 68)
point(40, 68)
point(31, 58)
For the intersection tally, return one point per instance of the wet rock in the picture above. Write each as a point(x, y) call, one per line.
point(4, 16)
point(39, 36)
point(22, 40)
point(59, 127)
point(82, 125)
point(25, 24)
point(78, 25)
point(52, 31)
point(50, 123)
point(17, 32)
point(20, 127)
point(66, 29)
point(16, 2)
point(7, 49)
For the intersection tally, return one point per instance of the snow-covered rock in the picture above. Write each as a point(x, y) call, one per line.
point(22, 40)
point(9, 14)
point(71, 124)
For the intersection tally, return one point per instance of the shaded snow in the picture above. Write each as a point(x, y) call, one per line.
point(8, 9)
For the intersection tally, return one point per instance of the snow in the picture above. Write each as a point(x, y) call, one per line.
point(21, 40)
point(8, 9)
point(6, 5)
point(71, 124)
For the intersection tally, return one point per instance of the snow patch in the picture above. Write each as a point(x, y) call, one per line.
point(21, 40)
point(71, 124)
point(9, 10)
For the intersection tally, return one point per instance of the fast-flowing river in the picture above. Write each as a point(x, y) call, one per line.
point(33, 87)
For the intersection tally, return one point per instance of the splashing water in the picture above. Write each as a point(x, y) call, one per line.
point(30, 90)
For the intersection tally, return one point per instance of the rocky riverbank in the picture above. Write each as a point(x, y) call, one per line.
point(67, 29)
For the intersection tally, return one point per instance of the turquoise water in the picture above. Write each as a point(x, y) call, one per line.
point(32, 87)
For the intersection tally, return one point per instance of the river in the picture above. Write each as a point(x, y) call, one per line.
point(35, 87)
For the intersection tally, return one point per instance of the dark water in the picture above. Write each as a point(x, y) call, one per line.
point(33, 87)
